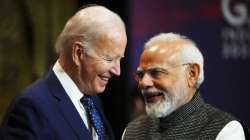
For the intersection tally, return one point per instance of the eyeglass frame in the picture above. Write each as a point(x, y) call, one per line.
point(154, 72)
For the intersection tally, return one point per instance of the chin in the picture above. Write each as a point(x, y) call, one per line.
point(100, 90)
point(160, 109)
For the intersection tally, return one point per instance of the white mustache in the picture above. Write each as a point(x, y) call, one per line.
point(152, 90)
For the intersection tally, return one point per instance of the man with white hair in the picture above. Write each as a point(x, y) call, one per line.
point(169, 75)
point(63, 105)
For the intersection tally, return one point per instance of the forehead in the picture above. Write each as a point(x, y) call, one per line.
point(161, 55)
point(111, 43)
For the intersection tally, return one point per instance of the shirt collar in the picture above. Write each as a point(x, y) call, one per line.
point(68, 84)
point(183, 112)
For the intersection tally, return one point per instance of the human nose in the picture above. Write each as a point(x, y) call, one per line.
point(116, 70)
point(145, 81)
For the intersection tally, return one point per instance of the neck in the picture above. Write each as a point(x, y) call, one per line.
point(73, 72)
point(191, 93)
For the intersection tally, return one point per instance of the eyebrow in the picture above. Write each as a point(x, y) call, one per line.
point(154, 67)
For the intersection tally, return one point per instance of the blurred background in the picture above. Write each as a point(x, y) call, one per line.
point(221, 29)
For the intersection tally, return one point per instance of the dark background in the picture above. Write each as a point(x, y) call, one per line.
point(29, 29)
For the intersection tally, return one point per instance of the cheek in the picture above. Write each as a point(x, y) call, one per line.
point(168, 85)
point(164, 85)
point(179, 89)
point(100, 68)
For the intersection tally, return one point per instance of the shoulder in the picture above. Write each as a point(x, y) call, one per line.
point(217, 115)
point(36, 92)
point(35, 89)
point(229, 127)
point(26, 114)
point(140, 120)
point(141, 128)
point(214, 120)
point(30, 100)
point(140, 123)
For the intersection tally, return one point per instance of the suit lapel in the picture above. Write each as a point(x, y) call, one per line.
point(67, 108)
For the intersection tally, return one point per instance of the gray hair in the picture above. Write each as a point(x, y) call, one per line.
point(190, 53)
point(86, 25)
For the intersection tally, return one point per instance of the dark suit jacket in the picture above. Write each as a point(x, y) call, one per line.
point(45, 112)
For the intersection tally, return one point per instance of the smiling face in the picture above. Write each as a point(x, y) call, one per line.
point(164, 84)
point(91, 45)
point(101, 62)
point(91, 67)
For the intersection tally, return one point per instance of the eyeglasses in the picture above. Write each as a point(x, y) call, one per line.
point(154, 72)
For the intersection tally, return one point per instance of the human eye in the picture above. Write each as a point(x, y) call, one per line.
point(157, 72)
point(139, 74)
point(107, 58)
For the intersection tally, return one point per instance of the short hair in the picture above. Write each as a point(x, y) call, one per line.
point(190, 53)
point(87, 24)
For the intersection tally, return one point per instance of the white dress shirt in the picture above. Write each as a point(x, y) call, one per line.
point(232, 131)
point(74, 94)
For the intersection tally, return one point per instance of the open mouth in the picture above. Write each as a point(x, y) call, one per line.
point(104, 79)
point(152, 97)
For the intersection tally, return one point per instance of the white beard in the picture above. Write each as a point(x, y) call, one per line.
point(165, 107)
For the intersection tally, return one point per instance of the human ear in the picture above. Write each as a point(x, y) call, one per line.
point(193, 74)
point(77, 53)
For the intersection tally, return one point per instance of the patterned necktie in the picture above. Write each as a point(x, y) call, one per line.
point(94, 116)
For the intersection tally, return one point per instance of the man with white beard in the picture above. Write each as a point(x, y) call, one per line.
point(169, 75)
